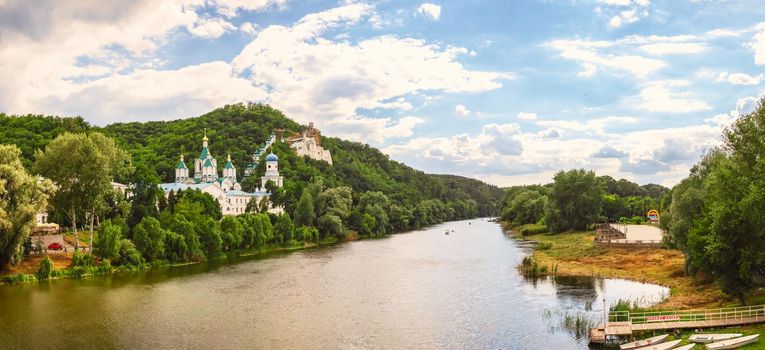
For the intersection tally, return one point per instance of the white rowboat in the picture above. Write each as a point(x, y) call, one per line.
point(645, 342)
point(685, 347)
point(711, 338)
point(733, 343)
point(663, 346)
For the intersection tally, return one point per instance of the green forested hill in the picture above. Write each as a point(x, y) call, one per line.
point(32, 132)
point(240, 130)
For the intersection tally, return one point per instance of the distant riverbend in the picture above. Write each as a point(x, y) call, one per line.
point(422, 289)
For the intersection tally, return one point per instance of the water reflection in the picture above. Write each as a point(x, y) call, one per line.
point(420, 290)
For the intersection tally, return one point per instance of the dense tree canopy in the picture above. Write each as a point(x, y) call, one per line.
point(575, 200)
point(21, 197)
point(83, 167)
point(621, 200)
point(717, 214)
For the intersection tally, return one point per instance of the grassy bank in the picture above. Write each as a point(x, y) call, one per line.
point(575, 254)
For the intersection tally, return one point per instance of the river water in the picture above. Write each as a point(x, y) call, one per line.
point(419, 290)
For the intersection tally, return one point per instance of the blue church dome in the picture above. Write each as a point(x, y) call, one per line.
point(272, 158)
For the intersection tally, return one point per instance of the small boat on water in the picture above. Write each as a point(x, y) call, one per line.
point(733, 343)
point(645, 342)
point(711, 338)
point(685, 347)
point(663, 346)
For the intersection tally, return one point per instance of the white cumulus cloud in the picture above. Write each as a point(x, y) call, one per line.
point(660, 96)
point(430, 10)
point(673, 48)
point(308, 75)
point(461, 110)
point(740, 78)
point(758, 45)
point(526, 116)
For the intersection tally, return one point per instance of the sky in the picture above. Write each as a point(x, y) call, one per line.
point(508, 92)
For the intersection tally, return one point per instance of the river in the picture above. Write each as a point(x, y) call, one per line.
point(419, 290)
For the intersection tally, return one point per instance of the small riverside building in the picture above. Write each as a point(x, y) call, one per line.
point(225, 189)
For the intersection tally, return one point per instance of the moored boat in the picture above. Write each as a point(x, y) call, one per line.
point(733, 343)
point(663, 346)
point(685, 347)
point(711, 338)
point(645, 342)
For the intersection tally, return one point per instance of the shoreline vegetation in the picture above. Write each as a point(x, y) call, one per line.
point(575, 254)
point(64, 268)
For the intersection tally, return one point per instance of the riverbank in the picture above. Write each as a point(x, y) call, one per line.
point(25, 272)
point(575, 254)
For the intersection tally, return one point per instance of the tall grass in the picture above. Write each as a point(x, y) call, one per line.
point(530, 268)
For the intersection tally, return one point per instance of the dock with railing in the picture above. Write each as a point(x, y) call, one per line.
point(624, 323)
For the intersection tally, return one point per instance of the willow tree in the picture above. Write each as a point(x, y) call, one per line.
point(82, 166)
point(22, 196)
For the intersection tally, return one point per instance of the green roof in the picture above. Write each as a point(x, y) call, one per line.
point(207, 163)
point(204, 153)
point(181, 165)
point(229, 165)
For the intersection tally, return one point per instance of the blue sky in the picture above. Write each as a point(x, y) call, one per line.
point(504, 91)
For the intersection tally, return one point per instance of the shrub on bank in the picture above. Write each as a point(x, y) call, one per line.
point(19, 278)
point(46, 269)
point(532, 229)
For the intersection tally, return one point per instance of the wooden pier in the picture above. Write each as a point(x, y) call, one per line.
point(624, 323)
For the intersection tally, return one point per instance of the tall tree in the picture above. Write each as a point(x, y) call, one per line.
point(146, 193)
point(304, 212)
point(81, 170)
point(728, 238)
point(108, 244)
point(574, 201)
point(22, 196)
point(284, 228)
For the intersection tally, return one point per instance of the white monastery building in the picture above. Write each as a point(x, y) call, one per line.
point(226, 189)
point(308, 143)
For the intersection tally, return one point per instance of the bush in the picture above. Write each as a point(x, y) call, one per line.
point(107, 245)
point(105, 267)
point(82, 260)
point(149, 238)
point(129, 255)
point(307, 234)
point(46, 269)
point(18, 278)
point(637, 220)
point(532, 229)
point(624, 220)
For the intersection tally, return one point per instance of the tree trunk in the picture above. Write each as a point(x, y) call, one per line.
point(74, 228)
point(92, 217)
